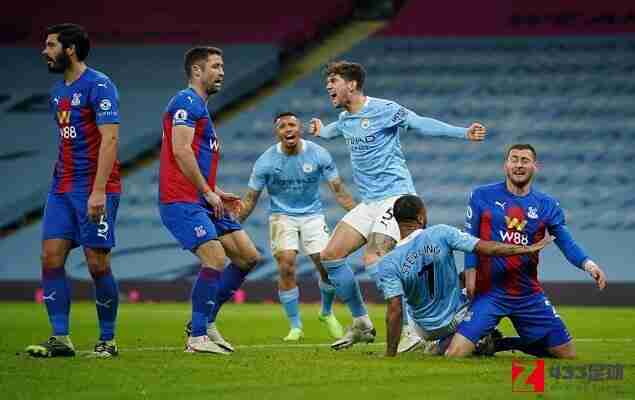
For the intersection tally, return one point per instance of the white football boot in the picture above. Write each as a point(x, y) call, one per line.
point(356, 333)
point(216, 337)
point(409, 340)
point(203, 344)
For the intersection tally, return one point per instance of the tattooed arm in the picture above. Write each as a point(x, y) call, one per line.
point(342, 195)
point(249, 203)
point(378, 246)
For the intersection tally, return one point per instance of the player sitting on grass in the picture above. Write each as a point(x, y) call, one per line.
point(421, 270)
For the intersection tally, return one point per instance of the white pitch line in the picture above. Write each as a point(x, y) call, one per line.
point(313, 345)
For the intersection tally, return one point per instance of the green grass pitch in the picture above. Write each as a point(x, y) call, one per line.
point(152, 364)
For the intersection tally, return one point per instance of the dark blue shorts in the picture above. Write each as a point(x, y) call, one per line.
point(192, 224)
point(65, 217)
point(533, 317)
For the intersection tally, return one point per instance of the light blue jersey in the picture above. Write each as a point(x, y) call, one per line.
point(293, 182)
point(421, 268)
point(372, 136)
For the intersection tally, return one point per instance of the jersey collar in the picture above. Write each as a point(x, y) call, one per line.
point(410, 237)
point(363, 107)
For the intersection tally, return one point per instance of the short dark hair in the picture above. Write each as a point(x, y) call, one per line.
point(285, 114)
point(521, 146)
point(72, 35)
point(349, 71)
point(407, 208)
point(197, 55)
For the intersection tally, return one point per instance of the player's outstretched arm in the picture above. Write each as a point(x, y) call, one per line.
point(431, 127)
point(105, 162)
point(248, 204)
point(596, 273)
point(318, 129)
point(182, 138)
point(342, 195)
point(393, 325)
point(574, 253)
point(491, 248)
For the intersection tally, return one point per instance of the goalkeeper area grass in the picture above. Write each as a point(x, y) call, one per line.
point(152, 364)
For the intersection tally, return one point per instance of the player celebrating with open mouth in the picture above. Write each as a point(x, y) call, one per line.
point(371, 128)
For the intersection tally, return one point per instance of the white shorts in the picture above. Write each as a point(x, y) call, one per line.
point(289, 233)
point(375, 216)
point(444, 331)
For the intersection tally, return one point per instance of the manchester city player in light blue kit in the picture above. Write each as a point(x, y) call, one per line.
point(371, 128)
point(291, 171)
point(421, 270)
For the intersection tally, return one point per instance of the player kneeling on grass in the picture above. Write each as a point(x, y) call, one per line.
point(291, 171)
point(421, 270)
point(513, 211)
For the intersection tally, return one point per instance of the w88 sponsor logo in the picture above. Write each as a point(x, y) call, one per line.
point(514, 237)
point(68, 132)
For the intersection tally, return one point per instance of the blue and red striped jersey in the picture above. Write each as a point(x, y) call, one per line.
point(189, 109)
point(78, 109)
point(494, 213)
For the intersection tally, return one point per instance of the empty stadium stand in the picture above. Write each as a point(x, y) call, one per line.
point(570, 95)
point(144, 60)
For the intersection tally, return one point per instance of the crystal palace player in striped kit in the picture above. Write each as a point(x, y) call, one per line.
point(513, 212)
point(193, 208)
point(81, 207)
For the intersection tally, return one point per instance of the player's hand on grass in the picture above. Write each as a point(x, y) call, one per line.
point(216, 202)
point(544, 242)
point(96, 205)
point(596, 273)
point(315, 126)
point(476, 132)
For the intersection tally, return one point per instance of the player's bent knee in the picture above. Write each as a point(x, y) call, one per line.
point(211, 254)
point(331, 253)
point(459, 347)
point(253, 260)
point(565, 351)
point(287, 275)
point(248, 261)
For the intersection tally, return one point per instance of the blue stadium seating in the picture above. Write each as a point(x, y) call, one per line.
point(146, 77)
point(573, 98)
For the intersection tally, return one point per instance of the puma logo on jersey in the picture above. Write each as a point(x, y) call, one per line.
point(501, 205)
